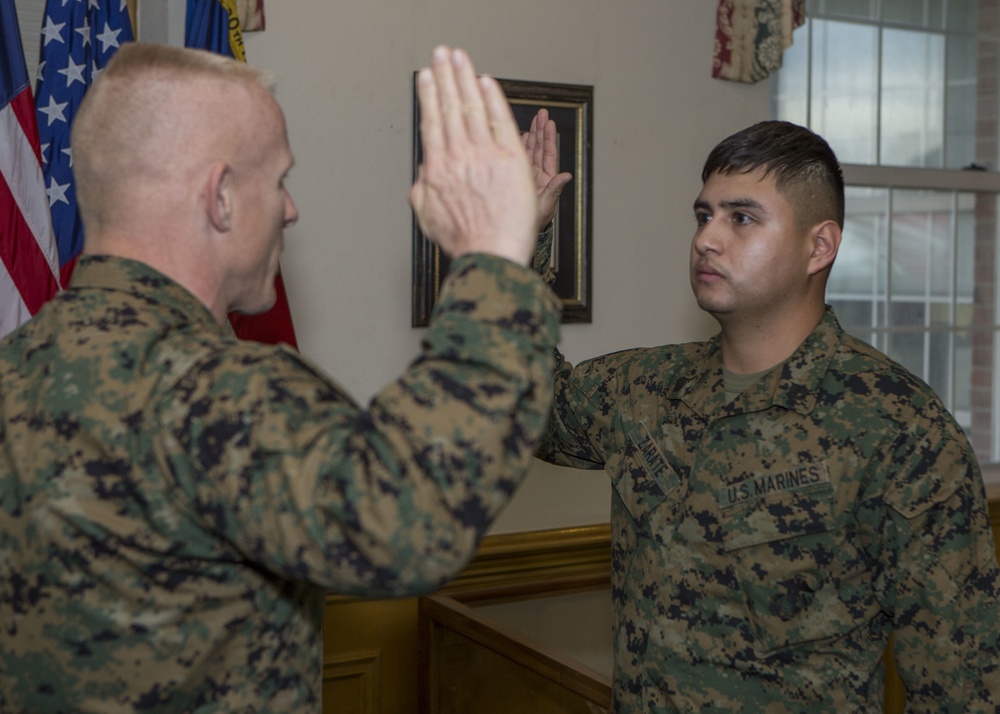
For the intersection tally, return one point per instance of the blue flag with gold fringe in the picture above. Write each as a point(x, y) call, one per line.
point(214, 25)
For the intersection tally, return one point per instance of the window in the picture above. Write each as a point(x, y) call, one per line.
point(906, 92)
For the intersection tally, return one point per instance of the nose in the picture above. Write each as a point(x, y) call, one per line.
point(705, 239)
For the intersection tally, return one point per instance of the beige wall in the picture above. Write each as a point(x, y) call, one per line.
point(344, 79)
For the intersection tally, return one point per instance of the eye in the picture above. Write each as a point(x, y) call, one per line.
point(742, 219)
point(701, 217)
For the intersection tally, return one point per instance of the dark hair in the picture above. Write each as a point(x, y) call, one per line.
point(804, 166)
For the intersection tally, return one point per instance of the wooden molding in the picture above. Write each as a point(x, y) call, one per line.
point(518, 564)
point(353, 679)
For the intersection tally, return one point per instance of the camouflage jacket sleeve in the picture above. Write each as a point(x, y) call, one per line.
point(542, 262)
point(566, 442)
point(582, 430)
point(387, 500)
point(937, 577)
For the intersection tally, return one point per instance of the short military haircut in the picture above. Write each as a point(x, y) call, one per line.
point(804, 167)
point(127, 128)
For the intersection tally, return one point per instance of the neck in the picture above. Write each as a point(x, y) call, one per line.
point(752, 345)
point(172, 253)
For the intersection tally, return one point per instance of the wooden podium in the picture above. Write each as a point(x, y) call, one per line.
point(475, 662)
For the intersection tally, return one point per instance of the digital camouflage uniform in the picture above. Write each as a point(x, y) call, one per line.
point(765, 548)
point(174, 502)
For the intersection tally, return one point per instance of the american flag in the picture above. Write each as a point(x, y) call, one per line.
point(78, 39)
point(28, 261)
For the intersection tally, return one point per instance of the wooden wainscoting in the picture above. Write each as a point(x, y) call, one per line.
point(372, 655)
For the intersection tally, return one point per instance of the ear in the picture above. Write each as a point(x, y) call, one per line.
point(218, 194)
point(825, 244)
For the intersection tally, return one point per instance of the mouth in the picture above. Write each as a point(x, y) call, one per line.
point(706, 272)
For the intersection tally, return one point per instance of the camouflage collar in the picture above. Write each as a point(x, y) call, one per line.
point(106, 272)
point(792, 386)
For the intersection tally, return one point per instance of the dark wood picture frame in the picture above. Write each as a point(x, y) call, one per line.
point(571, 107)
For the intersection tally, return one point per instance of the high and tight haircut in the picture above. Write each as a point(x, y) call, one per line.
point(126, 113)
point(144, 63)
point(805, 169)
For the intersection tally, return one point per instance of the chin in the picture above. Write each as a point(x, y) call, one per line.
point(714, 307)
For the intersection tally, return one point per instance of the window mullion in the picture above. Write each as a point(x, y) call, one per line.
point(878, 92)
point(887, 313)
point(995, 334)
point(945, 90)
point(928, 297)
point(951, 400)
point(809, 73)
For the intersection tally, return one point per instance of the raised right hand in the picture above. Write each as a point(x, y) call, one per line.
point(474, 191)
point(543, 150)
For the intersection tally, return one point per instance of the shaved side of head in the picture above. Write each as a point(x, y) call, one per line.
point(168, 112)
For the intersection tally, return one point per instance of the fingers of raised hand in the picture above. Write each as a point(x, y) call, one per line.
point(464, 115)
point(471, 97)
point(458, 107)
point(449, 97)
point(528, 137)
point(431, 127)
point(550, 158)
point(499, 115)
point(538, 124)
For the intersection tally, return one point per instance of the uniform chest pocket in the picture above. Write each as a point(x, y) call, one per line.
point(785, 555)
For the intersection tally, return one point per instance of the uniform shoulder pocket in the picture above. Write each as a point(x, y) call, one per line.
point(644, 479)
point(923, 485)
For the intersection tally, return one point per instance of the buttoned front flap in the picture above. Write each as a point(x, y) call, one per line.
point(794, 573)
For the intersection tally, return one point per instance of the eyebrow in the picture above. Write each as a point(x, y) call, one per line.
point(731, 203)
